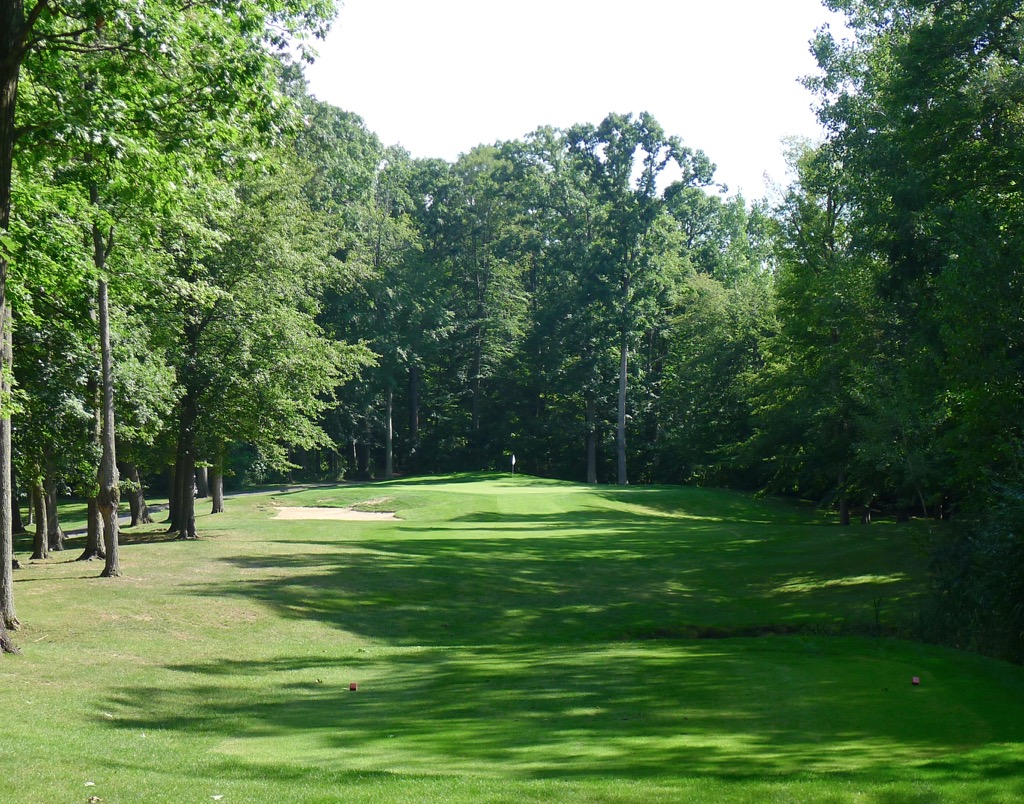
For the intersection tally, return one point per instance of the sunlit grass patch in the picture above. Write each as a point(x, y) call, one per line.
point(809, 584)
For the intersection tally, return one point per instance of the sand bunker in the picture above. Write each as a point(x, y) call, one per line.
point(332, 513)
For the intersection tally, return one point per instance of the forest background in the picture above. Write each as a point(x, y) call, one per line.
point(290, 298)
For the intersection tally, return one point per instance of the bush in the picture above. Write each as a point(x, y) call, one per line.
point(978, 583)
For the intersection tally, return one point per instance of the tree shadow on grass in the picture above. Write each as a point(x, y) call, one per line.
point(465, 478)
point(715, 505)
point(64, 579)
point(738, 710)
point(568, 579)
point(495, 646)
point(137, 537)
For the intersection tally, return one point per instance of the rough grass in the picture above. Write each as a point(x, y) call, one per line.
point(512, 640)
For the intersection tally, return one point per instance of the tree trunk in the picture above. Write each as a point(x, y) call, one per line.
point(186, 505)
point(13, 46)
point(187, 511)
point(414, 414)
point(6, 643)
point(924, 505)
point(8, 616)
point(109, 497)
point(620, 430)
point(475, 370)
point(172, 496)
point(202, 483)
point(136, 498)
point(55, 532)
point(216, 480)
point(844, 501)
point(93, 533)
point(41, 542)
point(217, 489)
point(363, 461)
point(17, 523)
point(94, 522)
point(183, 480)
point(389, 433)
point(591, 425)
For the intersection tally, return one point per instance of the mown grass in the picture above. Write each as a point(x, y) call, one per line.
point(512, 640)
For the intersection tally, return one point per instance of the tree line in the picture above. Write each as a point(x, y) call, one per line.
point(289, 297)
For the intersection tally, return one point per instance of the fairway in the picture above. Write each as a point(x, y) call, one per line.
point(511, 639)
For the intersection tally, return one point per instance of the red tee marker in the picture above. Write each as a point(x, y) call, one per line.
point(353, 687)
point(915, 681)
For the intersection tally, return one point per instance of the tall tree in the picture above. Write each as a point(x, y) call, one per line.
point(156, 33)
point(249, 261)
point(621, 160)
point(924, 105)
point(345, 163)
point(484, 268)
point(717, 320)
point(109, 489)
point(388, 247)
point(8, 617)
point(15, 31)
point(808, 405)
point(463, 288)
point(570, 327)
point(714, 346)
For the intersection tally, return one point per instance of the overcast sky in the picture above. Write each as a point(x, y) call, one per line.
point(441, 76)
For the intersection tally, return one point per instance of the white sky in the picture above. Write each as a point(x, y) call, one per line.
point(441, 76)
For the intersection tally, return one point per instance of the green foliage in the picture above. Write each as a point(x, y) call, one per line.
point(808, 398)
point(978, 594)
point(54, 340)
point(249, 263)
point(287, 287)
point(714, 344)
point(343, 158)
point(926, 104)
point(924, 107)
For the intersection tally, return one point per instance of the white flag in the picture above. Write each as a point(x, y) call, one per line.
point(513, 459)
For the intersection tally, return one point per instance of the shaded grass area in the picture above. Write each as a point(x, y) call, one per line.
point(547, 562)
point(498, 634)
point(635, 711)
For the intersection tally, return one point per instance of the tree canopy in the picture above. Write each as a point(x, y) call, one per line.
point(288, 297)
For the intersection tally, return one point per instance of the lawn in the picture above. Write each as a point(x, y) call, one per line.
point(511, 639)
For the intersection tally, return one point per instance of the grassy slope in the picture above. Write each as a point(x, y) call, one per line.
point(501, 633)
